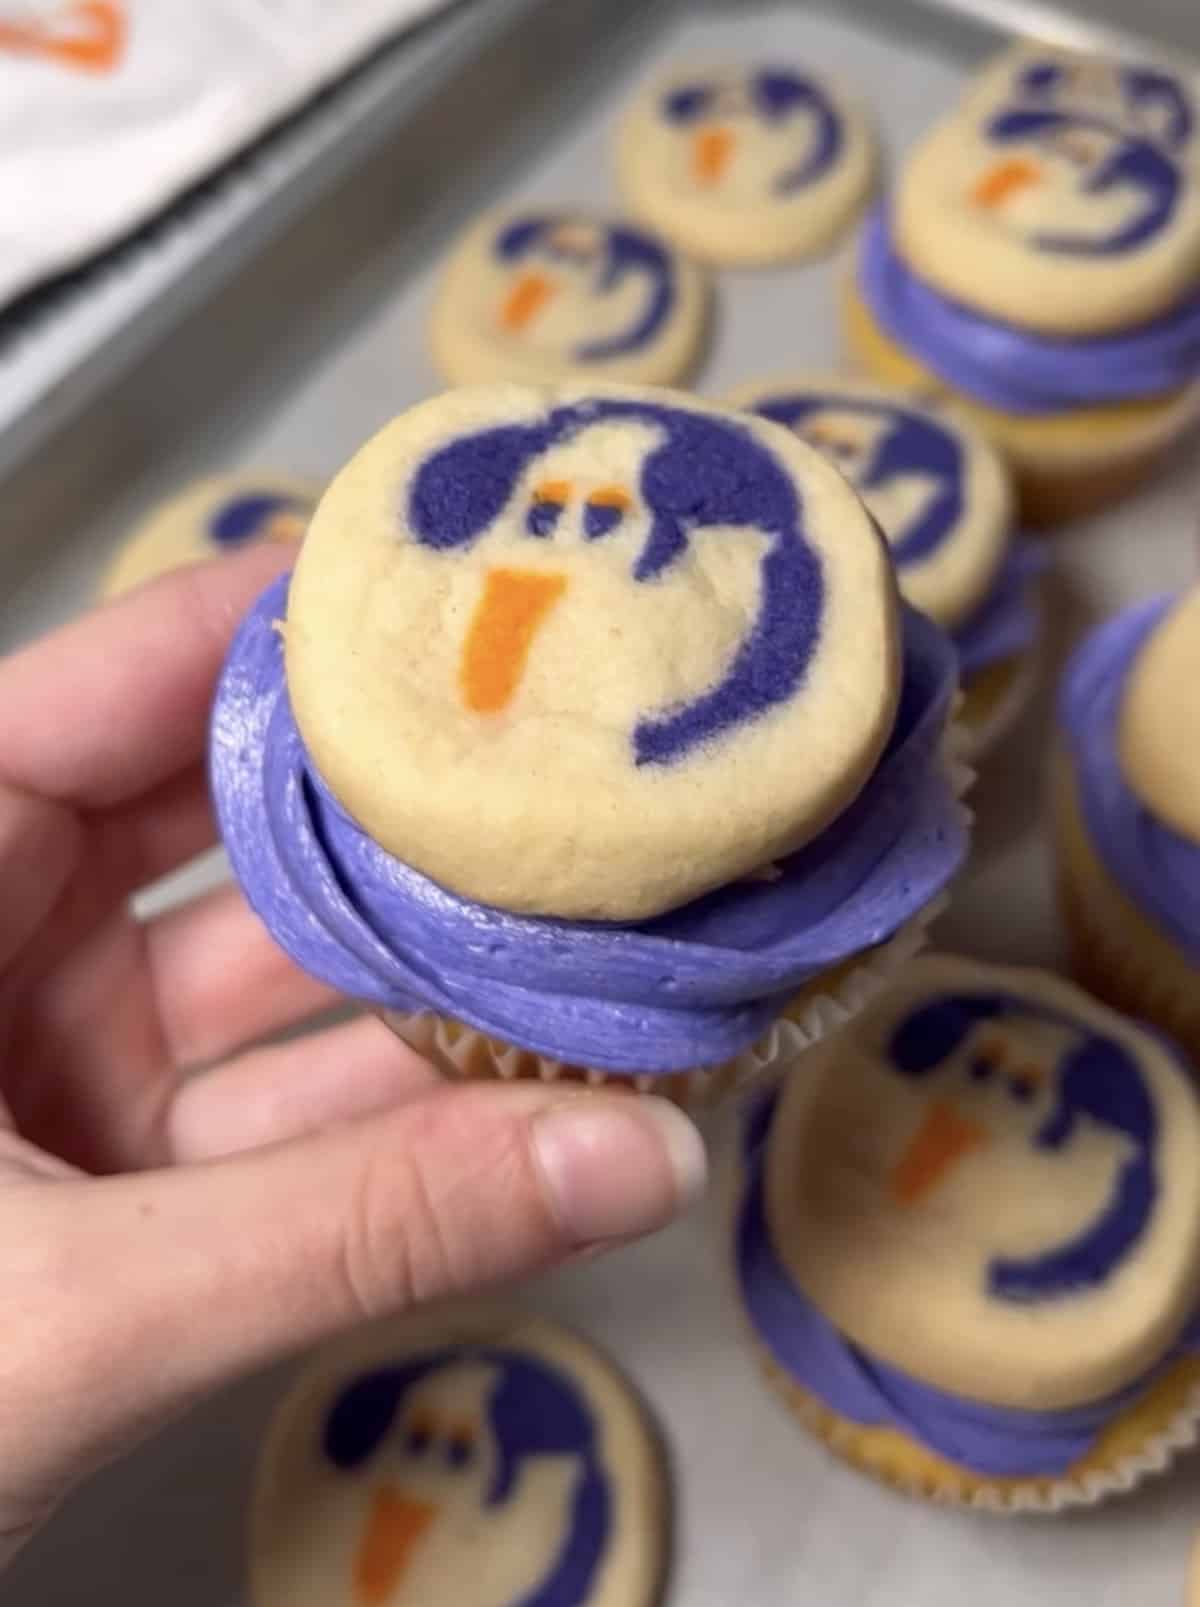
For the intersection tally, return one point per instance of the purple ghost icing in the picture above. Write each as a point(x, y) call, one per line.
point(1156, 867)
point(1015, 369)
point(1005, 624)
point(690, 988)
point(993, 1441)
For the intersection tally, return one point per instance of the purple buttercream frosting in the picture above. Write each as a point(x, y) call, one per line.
point(690, 988)
point(1015, 369)
point(1156, 867)
point(1005, 625)
point(993, 1441)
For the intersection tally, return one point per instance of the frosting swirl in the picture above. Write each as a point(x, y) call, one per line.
point(1156, 867)
point(1005, 624)
point(690, 988)
point(1014, 369)
point(993, 1441)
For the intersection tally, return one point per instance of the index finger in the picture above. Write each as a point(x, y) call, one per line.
point(117, 702)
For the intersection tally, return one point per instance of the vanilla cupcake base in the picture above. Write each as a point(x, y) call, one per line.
point(994, 700)
point(1143, 1440)
point(1115, 951)
point(1066, 465)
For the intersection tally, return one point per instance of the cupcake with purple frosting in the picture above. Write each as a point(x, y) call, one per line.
point(1127, 812)
point(943, 499)
point(967, 1241)
point(590, 738)
point(1040, 261)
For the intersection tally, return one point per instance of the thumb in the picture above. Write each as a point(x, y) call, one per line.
point(172, 1282)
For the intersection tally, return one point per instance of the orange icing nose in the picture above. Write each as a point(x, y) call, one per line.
point(393, 1529)
point(526, 299)
point(999, 182)
point(514, 605)
point(942, 1140)
point(711, 150)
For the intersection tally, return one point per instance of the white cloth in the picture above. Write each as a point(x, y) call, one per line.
point(110, 108)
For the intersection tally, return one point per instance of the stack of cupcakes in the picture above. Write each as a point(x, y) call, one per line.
point(1040, 261)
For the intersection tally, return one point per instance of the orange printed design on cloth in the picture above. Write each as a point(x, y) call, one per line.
point(88, 35)
point(515, 603)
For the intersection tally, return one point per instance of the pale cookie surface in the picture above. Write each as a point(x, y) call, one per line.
point(210, 517)
point(1061, 196)
point(560, 650)
point(473, 1455)
point(990, 1181)
point(746, 164)
point(543, 295)
point(938, 490)
point(1160, 720)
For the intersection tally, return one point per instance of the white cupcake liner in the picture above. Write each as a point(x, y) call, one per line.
point(1045, 1497)
point(824, 1005)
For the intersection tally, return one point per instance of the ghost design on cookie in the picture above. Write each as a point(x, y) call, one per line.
point(505, 1466)
point(1055, 163)
point(1006, 1163)
point(210, 517)
point(541, 295)
point(936, 490)
point(479, 1481)
point(746, 163)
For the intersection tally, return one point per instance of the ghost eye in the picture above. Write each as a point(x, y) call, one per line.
point(461, 1446)
point(604, 511)
point(1023, 1086)
point(1081, 149)
point(549, 500)
point(420, 1433)
point(982, 1068)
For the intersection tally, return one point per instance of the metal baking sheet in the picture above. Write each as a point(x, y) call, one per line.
point(765, 1517)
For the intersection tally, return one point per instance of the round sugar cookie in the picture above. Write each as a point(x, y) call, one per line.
point(539, 295)
point(937, 489)
point(210, 517)
point(746, 164)
point(473, 1454)
point(1160, 716)
point(1072, 213)
point(559, 649)
point(990, 1181)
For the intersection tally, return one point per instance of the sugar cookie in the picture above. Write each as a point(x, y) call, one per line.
point(469, 1455)
point(744, 165)
point(539, 294)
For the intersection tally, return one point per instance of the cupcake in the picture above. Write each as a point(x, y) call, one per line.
point(746, 165)
point(591, 738)
point(1040, 262)
point(472, 1454)
point(1127, 813)
point(210, 517)
point(547, 295)
point(942, 498)
point(967, 1241)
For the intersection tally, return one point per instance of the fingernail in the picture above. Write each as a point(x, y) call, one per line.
point(616, 1167)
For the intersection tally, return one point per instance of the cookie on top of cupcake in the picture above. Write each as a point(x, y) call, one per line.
point(967, 1241)
point(1040, 260)
point(515, 757)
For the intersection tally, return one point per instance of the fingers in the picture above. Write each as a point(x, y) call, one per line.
point(164, 1284)
point(116, 702)
point(40, 845)
point(141, 841)
point(292, 1089)
point(221, 981)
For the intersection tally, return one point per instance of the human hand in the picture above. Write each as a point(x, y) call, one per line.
point(160, 1233)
